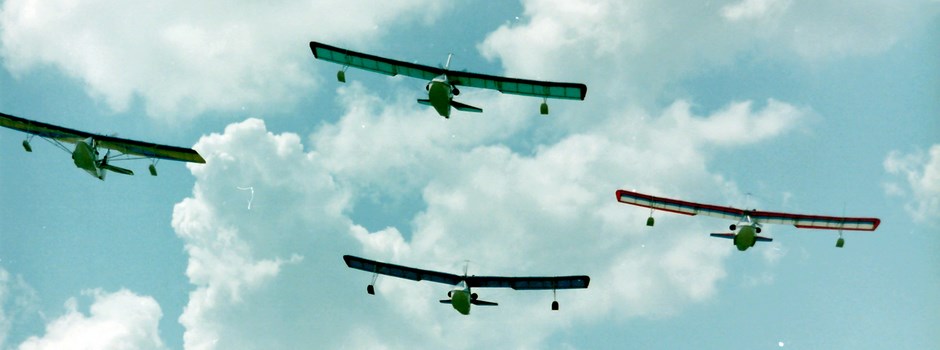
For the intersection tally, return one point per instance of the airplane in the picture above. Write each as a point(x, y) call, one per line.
point(442, 85)
point(86, 153)
point(749, 222)
point(461, 297)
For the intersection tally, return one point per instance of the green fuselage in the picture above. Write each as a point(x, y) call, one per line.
point(745, 238)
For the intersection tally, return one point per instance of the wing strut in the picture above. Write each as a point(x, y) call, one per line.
point(375, 277)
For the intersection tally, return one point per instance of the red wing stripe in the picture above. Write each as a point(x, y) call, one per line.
point(677, 206)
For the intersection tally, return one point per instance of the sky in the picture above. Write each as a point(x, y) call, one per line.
point(821, 107)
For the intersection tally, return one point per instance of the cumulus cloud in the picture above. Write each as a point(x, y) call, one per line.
point(921, 182)
point(644, 48)
point(510, 213)
point(17, 301)
point(119, 320)
point(183, 58)
point(754, 9)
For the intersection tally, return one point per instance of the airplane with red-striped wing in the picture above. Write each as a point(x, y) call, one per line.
point(86, 154)
point(746, 231)
point(460, 296)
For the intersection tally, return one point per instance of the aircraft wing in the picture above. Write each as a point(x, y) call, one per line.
point(762, 217)
point(125, 146)
point(399, 271)
point(149, 150)
point(42, 129)
point(816, 221)
point(560, 282)
point(373, 63)
point(536, 88)
point(548, 89)
point(678, 206)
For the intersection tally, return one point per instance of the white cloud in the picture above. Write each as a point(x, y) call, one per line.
point(184, 58)
point(754, 9)
point(119, 320)
point(642, 49)
point(17, 302)
point(549, 212)
point(921, 184)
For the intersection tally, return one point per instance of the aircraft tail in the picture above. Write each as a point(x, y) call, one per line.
point(731, 236)
point(117, 169)
point(465, 107)
point(482, 302)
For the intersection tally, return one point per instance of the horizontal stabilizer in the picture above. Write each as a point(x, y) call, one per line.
point(464, 107)
point(483, 302)
point(723, 235)
point(763, 239)
point(424, 101)
point(117, 169)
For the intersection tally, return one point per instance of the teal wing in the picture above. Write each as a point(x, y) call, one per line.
point(382, 65)
point(399, 271)
point(547, 89)
point(43, 129)
point(125, 146)
point(373, 63)
point(523, 283)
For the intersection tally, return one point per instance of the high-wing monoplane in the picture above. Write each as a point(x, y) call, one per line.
point(744, 234)
point(443, 82)
point(86, 154)
point(461, 297)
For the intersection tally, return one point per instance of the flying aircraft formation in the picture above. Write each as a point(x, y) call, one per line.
point(442, 86)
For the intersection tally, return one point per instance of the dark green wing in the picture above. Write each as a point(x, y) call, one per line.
point(399, 271)
point(43, 129)
point(559, 282)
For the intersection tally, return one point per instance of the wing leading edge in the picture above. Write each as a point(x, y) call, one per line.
point(125, 146)
point(547, 89)
point(763, 217)
point(519, 283)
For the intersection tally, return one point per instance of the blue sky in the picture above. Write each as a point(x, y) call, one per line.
point(807, 107)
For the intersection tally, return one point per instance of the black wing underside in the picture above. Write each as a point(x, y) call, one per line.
point(382, 65)
point(125, 146)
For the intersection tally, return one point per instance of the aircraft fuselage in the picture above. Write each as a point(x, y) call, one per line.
point(440, 93)
point(460, 298)
point(745, 238)
point(85, 157)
